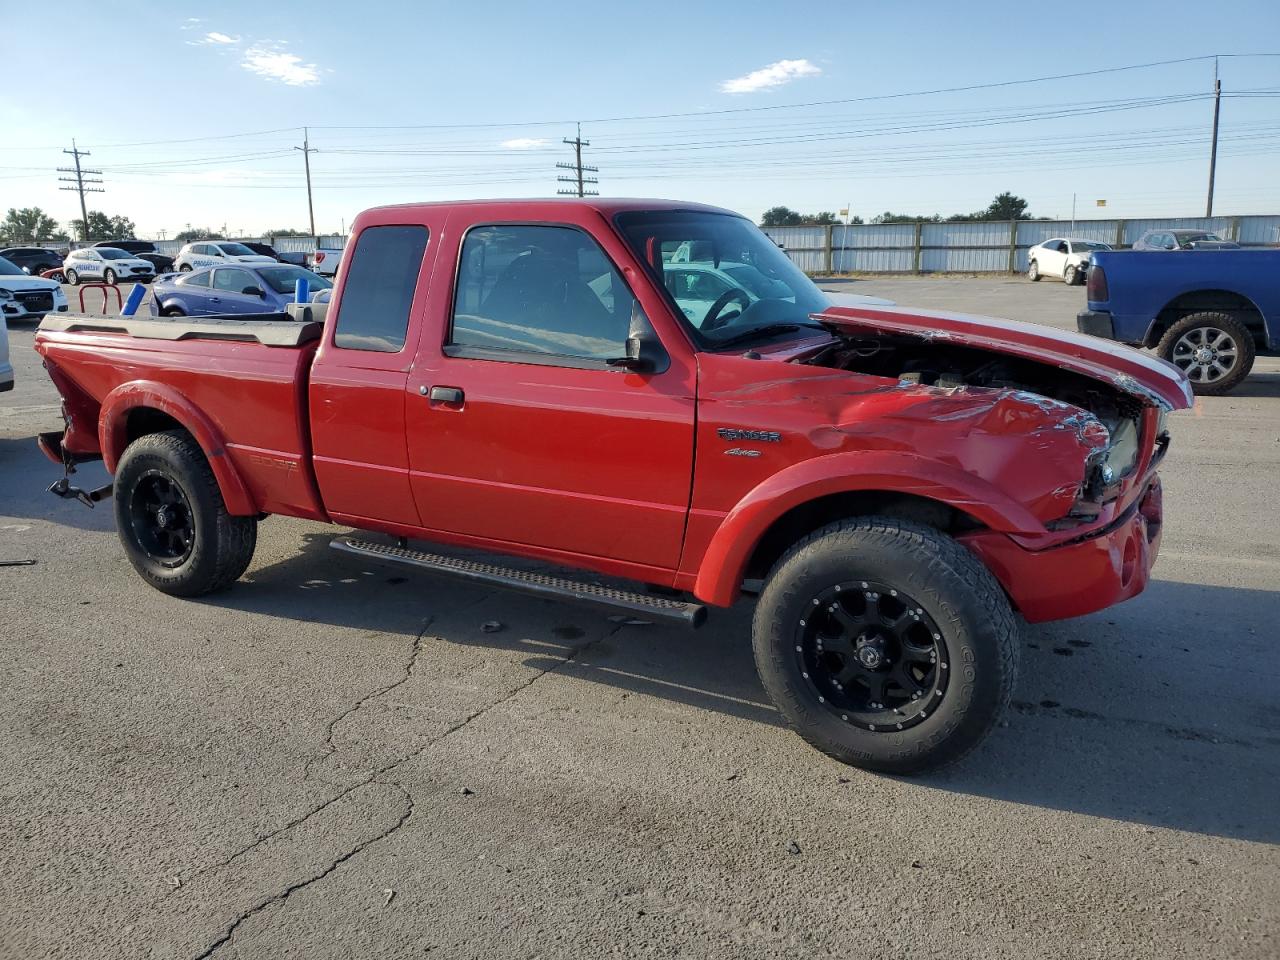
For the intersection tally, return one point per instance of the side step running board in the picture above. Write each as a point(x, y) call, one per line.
point(490, 574)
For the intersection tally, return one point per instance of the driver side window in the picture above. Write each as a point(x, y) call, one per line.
point(541, 290)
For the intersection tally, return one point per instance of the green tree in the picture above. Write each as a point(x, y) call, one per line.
point(286, 232)
point(889, 217)
point(821, 219)
point(1005, 206)
point(781, 217)
point(29, 225)
point(198, 233)
point(103, 227)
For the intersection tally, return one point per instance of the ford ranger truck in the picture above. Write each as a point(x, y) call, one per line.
point(549, 379)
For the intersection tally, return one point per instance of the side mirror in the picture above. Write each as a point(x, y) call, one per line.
point(634, 361)
point(253, 292)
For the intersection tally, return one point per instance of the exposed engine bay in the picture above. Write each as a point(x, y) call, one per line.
point(944, 364)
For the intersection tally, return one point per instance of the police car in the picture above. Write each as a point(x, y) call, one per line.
point(106, 264)
point(209, 253)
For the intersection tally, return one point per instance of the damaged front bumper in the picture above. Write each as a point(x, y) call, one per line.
point(1080, 576)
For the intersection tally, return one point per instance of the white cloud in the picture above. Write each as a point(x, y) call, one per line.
point(277, 65)
point(219, 38)
point(525, 143)
point(190, 23)
point(774, 75)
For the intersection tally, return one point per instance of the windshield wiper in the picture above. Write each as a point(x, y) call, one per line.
point(766, 330)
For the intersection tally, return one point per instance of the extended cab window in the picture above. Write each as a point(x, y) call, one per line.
point(540, 289)
point(382, 275)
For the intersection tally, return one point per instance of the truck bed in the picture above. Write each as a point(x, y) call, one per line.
point(222, 371)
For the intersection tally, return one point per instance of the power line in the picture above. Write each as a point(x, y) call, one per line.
point(83, 184)
point(578, 169)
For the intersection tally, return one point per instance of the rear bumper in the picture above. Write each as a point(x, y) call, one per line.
point(1080, 577)
point(1096, 323)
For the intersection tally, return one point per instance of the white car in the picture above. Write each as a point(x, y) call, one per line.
point(6, 368)
point(1064, 257)
point(211, 253)
point(24, 297)
point(106, 264)
point(325, 262)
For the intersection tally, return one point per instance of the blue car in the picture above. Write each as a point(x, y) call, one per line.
point(243, 288)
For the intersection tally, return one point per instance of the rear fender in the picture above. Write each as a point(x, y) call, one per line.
point(720, 572)
point(113, 435)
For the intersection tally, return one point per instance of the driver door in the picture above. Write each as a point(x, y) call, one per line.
point(519, 430)
point(227, 294)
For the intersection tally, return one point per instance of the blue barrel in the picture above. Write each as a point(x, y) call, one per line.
point(135, 300)
point(301, 291)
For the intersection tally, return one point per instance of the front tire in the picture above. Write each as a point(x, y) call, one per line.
point(172, 520)
point(1215, 350)
point(109, 277)
point(1033, 271)
point(1070, 276)
point(885, 644)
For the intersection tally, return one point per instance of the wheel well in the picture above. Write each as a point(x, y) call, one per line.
point(799, 522)
point(1199, 301)
point(144, 420)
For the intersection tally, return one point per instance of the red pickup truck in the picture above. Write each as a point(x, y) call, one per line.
point(651, 391)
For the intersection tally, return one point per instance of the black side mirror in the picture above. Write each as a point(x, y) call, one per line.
point(253, 292)
point(634, 361)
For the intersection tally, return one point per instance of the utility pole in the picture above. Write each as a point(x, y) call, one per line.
point(579, 181)
point(83, 184)
point(1073, 213)
point(1213, 150)
point(307, 151)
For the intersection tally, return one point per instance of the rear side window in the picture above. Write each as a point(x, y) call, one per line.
point(198, 279)
point(381, 277)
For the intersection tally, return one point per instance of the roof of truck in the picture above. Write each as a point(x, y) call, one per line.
point(606, 206)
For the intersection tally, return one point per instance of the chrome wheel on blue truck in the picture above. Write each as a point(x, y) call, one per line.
point(1213, 349)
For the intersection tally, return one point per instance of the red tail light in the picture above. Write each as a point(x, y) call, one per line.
point(319, 256)
point(1096, 290)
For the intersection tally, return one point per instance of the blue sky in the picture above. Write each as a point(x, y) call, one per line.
point(483, 94)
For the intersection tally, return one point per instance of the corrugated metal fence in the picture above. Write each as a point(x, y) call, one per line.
point(997, 246)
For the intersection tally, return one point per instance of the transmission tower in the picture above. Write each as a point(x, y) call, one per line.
point(83, 180)
point(579, 181)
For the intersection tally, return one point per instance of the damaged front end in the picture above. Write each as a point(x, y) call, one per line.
point(1067, 400)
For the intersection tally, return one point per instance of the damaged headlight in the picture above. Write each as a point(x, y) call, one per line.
point(1115, 462)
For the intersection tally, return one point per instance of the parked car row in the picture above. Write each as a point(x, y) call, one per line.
point(1069, 258)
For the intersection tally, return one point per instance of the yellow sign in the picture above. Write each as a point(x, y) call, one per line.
point(844, 212)
point(1101, 203)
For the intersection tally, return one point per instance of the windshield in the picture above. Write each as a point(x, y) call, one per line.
point(724, 276)
point(7, 269)
point(1089, 245)
point(281, 279)
point(235, 250)
point(111, 253)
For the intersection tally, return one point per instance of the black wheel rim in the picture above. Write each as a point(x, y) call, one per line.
point(872, 656)
point(161, 516)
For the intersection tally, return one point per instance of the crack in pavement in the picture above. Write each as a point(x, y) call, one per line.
point(293, 888)
point(573, 655)
point(326, 747)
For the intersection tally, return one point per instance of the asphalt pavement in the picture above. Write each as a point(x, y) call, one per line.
point(339, 759)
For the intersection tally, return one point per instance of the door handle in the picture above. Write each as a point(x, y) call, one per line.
point(453, 395)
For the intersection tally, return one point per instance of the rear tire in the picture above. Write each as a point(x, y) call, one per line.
point(73, 278)
point(185, 268)
point(172, 520)
point(932, 598)
point(1033, 272)
point(1215, 350)
point(173, 312)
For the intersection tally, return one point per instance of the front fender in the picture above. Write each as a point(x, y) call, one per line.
point(136, 394)
point(723, 564)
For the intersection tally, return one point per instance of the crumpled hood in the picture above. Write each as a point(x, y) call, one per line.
point(1150, 379)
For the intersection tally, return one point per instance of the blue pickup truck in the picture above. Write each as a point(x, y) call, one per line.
point(1207, 312)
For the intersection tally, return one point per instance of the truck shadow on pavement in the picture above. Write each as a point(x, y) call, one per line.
point(25, 494)
point(1115, 715)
